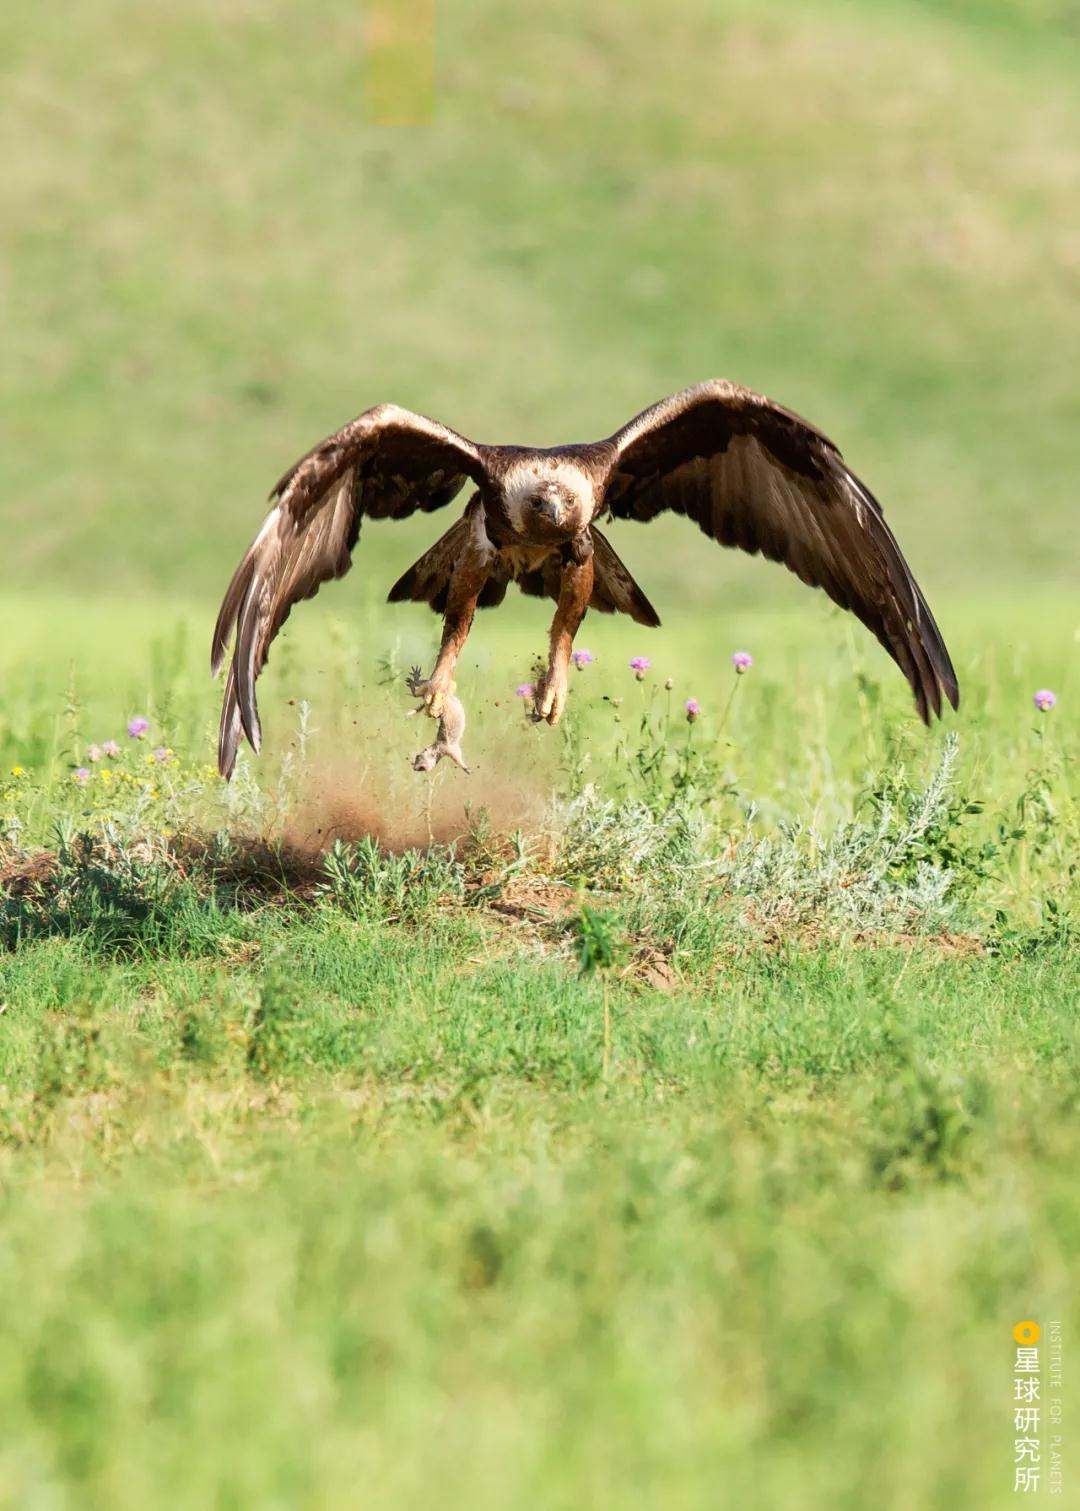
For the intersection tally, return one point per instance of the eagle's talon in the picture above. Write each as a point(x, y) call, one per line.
point(551, 698)
point(438, 688)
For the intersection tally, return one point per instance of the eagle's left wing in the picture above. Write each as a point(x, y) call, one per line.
point(385, 464)
point(754, 475)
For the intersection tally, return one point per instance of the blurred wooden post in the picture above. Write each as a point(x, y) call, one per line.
point(399, 83)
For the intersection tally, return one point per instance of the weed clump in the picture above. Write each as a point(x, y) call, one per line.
point(908, 867)
point(365, 882)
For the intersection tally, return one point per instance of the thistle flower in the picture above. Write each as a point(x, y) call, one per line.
point(137, 728)
point(525, 690)
point(93, 753)
point(81, 775)
point(1044, 699)
point(110, 748)
point(742, 661)
point(639, 666)
point(693, 709)
point(582, 658)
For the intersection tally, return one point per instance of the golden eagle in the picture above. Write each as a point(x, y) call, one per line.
point(748, 472)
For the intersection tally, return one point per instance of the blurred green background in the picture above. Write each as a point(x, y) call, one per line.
point(209, 260)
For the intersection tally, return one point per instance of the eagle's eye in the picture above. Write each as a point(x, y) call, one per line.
point(548, 502)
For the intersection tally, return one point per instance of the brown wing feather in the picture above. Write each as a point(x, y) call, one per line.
point(387, 463)
point(754, 475)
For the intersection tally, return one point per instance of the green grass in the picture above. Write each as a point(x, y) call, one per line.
point(864, 210)
point(275, 1238)
point(323, 1184)
point(300, 1196)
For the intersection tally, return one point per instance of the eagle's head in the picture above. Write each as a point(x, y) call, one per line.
point(549, 500)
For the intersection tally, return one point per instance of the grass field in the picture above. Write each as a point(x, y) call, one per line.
point(666, 1114)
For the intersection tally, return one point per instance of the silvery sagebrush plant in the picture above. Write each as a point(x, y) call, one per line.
point(906, 867)
point(895, 870)
point(617, 844)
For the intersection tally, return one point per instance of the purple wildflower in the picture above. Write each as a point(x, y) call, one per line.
point(582, 658)
point(81, 775)
point(639, 666)
point(110, 748)
point(137, 728)
point(525, 690)
point(693, 709)
point(161, 755)
point(93, 753)
point(742, 661)
point(1044, 699)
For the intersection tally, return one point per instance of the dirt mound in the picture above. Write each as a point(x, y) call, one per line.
point(20, 874)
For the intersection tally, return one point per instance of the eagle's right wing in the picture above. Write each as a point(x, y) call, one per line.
point(385, 464)
point(752, 474)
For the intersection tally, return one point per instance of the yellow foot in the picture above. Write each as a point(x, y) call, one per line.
point(439, 687)
point(551, 697)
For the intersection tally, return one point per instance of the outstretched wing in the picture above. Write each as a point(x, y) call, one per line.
point(385, 464)
point(754, 475)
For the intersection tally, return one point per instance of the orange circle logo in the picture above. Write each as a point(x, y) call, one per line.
point(1027, 1332)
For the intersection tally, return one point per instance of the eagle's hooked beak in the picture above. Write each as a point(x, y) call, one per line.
point(548, 503)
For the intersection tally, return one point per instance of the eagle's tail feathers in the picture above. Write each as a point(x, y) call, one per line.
point(428, 579)
point(614, 590)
